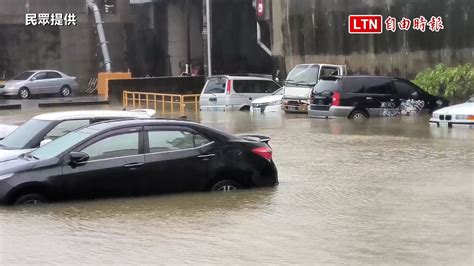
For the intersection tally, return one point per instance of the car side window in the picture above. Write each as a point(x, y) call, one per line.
point(172, 140)
point(328, 71)
point(404, 90)
point(114, 146)
point(65, 127)
point(241, 86)
point(379, 86)
point(354, 85)
point(270, 87)
point(53, 75)
point(200, 140)
point(40, 76)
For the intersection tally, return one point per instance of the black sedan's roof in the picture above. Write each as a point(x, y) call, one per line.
point(123, 123)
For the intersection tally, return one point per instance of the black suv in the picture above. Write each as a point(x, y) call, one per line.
point(358, 97)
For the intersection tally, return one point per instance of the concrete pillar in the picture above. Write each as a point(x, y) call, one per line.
point(177, 46)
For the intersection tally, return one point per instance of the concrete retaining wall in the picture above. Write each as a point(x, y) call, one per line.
point(316, 31)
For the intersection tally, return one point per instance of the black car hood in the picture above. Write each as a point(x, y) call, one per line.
point(16, 165)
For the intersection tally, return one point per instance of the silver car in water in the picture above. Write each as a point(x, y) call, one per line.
point(34, 82)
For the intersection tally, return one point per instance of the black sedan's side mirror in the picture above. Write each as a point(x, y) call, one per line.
point(78, 158)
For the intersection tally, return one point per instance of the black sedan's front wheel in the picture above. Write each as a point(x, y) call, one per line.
point(31, 199)
point(226, 186)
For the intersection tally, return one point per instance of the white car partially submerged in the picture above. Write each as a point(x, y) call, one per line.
point(459, 114)
point(44, 128)
point(267, 104)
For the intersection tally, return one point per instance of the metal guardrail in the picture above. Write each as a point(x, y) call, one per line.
point(161, 101)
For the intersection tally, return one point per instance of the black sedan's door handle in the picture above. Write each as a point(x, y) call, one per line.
point(206, 156)
point(133, 165)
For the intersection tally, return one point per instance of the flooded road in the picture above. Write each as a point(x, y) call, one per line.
point(386, 191)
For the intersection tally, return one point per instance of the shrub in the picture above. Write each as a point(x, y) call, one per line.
point(454, 83)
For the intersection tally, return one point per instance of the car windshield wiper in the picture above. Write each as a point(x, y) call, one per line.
point(4, 147)
point(321, 92)
point(289, 81)
point(305, 83)
point(28, 156)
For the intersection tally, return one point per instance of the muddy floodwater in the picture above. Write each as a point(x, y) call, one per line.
point(386, 191)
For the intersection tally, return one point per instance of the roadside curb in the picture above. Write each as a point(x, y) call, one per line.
point(63, 104)
point(10, 106)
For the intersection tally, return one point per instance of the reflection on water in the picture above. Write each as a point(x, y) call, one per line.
point(384, 191)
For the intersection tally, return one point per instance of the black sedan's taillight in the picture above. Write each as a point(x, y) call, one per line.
point(265, 152)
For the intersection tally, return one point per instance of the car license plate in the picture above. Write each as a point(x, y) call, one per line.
point(257, 109)
point(443, 124)
point(294, 108)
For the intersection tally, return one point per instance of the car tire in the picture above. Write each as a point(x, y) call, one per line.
point(359, 115)
point(24, 93)
point(226, 186)
point(65, 91)
point(31, 199)
point(245, 108)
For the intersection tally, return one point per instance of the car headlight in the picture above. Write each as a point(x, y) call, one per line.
point(10, 87)
point(465, 117)
point(6, 176)
point(275, 103)
point(435, 116)
point(304, 101)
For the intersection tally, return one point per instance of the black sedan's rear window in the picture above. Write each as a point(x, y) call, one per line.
point(327, 85)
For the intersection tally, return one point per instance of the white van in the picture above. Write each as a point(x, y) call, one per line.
point(234, 93)
point(300, 82)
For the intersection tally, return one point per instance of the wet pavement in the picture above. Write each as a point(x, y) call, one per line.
point(386, 191)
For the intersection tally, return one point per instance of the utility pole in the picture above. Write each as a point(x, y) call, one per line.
point(188, 38)
point(100, 32)
point(207, 37)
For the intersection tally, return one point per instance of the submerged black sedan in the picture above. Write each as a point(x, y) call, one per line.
point(137, 157)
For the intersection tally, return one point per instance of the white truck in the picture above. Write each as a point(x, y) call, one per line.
point(301, 80)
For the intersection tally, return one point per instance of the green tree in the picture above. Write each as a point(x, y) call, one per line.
point(455, 83)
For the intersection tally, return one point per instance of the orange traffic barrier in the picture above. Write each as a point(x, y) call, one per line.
point(161, 101)
point(103, 80)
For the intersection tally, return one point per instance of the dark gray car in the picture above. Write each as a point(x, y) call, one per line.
point(34, 82)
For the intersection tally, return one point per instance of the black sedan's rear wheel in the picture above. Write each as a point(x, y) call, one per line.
point(359, 115)
point(226, 185)
point(31, 199)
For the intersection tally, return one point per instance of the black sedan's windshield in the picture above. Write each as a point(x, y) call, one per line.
point(22, 136)
point(58, 146)
point(23, 76)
